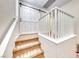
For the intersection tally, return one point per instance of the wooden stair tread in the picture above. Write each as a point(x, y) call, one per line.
point(25, 42)
point(31, 54)
point(28, 46)
point(41, 55)
point(17, 48)
point(27, 37)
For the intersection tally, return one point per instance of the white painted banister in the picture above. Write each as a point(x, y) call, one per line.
point(6, 38)
point(59, 24)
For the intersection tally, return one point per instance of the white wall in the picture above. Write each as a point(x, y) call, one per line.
point(29, 14)
point(58, 3)
point(7, 13)
point(11, 44)
point(44, 24)
point(48, 47)
point(29, 27)
point(32, 15)
point(73, 9)
point(65, 49)
point(30, 18)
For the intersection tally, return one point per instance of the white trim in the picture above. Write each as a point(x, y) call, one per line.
point(7, 38)
point(28, 33)
point(57, 41)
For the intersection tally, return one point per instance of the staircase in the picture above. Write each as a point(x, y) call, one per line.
point(28, 46)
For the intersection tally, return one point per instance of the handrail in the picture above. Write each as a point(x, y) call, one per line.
point(6, 38)
point(5, 31)
point(64, 12)
point(46, 14)
point(57, 9)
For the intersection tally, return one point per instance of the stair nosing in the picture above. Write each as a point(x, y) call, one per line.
point(24, 39)
point(15, 49)
point(36, 54)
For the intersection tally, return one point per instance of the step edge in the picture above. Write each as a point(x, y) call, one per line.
point(15, 49)
point(24, 39)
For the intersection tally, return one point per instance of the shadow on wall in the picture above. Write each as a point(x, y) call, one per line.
point(4, 32)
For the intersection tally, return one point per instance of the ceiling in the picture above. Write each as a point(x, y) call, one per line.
point(37, 3)
point(42, 3)
point(59, 3)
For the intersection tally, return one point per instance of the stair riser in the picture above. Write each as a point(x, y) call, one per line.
point(39, 56)
point(28, 46)
point(17, 53)
point(25, 42)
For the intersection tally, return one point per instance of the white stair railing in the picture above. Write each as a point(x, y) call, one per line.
point(57, 24)
point(7, 37)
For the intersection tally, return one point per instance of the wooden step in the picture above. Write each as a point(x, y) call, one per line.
point(27, 37)
point(41, 55)
point(20, 52)
point(30, 54)
point(29, 45)
point(25, 42)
